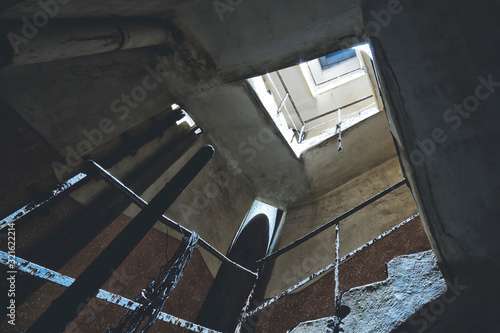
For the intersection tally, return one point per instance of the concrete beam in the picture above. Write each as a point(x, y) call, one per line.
point(442, 93)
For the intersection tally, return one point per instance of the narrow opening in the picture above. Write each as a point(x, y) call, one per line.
point(316, 99)
point(186, 119)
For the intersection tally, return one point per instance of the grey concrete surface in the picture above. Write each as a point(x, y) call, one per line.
point(414, 281)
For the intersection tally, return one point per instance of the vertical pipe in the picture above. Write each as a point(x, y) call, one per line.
point(165, 220)
point(337, 263)
point(301, 134)
point(65, 308)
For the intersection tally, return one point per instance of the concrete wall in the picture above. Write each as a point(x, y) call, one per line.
point(368, 266)
point(432, 58)
point(440, 74)
point(318, 252)
point(213, 205)
point(234, 117)
point(245, 132)
point(257, 37)
point(135, 273)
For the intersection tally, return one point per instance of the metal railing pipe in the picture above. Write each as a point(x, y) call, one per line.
point(165, 220)
point(332, 222)
point(63, 310)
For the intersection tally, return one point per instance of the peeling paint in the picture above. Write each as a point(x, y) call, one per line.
point(153, 297)
point(245, 307)
point(65, 281)
point(333, 222)
point(327, 268)
point(61, 188)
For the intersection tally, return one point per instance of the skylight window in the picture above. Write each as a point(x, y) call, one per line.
point(314, 100)
point(336, 58)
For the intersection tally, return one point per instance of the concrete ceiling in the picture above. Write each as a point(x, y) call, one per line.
point(56, 101)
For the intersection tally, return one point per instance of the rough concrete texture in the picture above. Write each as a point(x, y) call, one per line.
point(203, 206)
point(366, 145)
point(253, 141)
point(277, 175)
point(243, 46)
point(324, 325)
point(414, 280)
point(48, 103)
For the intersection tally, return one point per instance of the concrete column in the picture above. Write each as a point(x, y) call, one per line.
point(441, 77)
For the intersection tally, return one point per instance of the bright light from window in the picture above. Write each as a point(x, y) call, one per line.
point(310, 102)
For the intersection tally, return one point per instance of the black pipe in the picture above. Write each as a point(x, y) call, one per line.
point(332, 222)
point(165, 220)
point(65, 308)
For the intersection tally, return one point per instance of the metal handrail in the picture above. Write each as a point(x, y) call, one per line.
point(332, 222)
